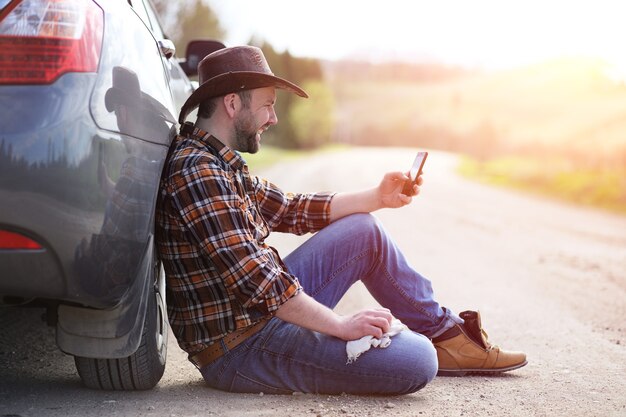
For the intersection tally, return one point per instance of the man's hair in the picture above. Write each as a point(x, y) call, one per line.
point(207, 107)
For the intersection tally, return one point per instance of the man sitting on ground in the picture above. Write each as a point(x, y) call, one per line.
point(253, 322)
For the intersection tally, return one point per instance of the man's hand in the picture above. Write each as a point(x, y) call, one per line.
point(372, 322)
point(388, 194)
point(390, 190)
point(306, 312)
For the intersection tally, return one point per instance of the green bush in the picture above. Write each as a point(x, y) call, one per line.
point(313, 119)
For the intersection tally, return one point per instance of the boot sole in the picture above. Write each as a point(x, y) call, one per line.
point(478, 371)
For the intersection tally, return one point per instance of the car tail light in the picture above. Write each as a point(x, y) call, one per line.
point(40, 40)
point(10, 240)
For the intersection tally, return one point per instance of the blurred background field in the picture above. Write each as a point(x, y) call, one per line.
point(557, 128)
point(533, 97)
point(573, 106)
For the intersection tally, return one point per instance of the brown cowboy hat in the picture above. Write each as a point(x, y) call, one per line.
point(234, 69)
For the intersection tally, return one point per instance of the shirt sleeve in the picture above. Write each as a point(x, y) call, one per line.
point(217, 218)
point(292, 213)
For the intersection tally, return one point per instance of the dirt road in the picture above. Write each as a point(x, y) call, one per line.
point(549, 279)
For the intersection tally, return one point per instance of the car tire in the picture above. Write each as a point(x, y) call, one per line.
point(143, 369)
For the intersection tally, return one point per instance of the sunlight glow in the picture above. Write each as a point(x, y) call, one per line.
point(481, 33)
point(548, 114)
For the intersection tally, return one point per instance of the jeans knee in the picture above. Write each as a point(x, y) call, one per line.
point(366, 227)
point(363, 221)
point(427, 369)
point(422, 367)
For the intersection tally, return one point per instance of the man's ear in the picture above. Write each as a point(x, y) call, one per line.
point(231, 104)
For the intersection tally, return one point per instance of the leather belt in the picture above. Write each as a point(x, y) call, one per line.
point(230, 341)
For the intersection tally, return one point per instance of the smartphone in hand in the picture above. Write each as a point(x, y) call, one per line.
point(415, 172)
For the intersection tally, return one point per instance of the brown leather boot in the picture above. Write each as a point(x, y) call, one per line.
point(464, 349)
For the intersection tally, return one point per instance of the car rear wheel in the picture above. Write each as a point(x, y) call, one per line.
point(143, 369)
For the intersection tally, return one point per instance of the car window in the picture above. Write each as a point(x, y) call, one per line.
point(146, 12)
point(140, 9)
point(154, 20)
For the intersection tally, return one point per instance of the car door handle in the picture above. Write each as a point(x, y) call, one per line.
point(167, 48)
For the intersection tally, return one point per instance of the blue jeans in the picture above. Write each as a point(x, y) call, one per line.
point(283, 358)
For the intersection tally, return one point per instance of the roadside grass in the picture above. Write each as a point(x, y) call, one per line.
point(597, 187)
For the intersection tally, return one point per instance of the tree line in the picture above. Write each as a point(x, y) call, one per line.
point(303, 123)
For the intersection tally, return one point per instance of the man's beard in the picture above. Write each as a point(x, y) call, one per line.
point(245, 133)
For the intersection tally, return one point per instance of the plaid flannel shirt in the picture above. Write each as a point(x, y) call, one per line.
point(212, 220)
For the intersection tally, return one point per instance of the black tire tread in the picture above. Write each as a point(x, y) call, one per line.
point(140, 371)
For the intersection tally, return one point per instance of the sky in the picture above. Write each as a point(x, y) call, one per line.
point(489, 34)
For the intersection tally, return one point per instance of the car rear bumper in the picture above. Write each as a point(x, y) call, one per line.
point(31, 274)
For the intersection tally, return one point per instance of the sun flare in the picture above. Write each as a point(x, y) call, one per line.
point(481, 33)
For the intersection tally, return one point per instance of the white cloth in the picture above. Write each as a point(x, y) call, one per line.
point(355, 348)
